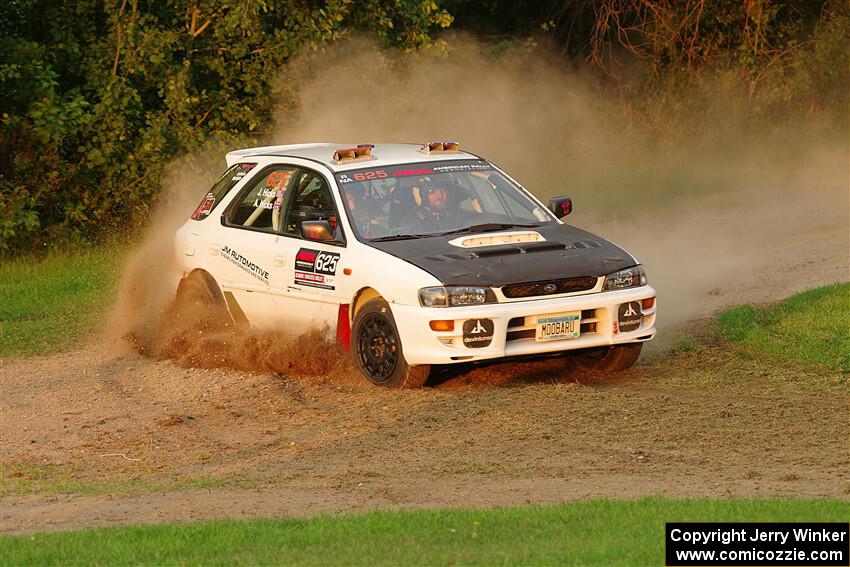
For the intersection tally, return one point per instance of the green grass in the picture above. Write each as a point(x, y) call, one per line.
point(20, 479)
point(812, 327)
point(50, 303)
point(597, 532)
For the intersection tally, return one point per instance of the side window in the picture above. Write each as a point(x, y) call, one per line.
point(311, 200)
point(260, 204)
point(225, 183)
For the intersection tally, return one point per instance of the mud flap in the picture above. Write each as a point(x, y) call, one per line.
point(343, 327)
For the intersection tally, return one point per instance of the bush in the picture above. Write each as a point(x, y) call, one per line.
point(99, 96)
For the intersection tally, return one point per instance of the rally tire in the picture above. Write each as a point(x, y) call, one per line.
point(607, 360)
point(377, 350)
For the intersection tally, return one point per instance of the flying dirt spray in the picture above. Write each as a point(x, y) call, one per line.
point(720, 216)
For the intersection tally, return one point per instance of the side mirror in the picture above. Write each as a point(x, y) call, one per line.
point(318, 230)
point(561, 206)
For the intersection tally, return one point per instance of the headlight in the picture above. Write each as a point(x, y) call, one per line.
point(455, 296)
point(630, 277)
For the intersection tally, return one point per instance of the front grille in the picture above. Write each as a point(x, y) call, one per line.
point(532, 289)
point(517, 335)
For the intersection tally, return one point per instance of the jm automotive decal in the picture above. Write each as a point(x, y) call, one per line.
point(247, 265)
point(316, 268)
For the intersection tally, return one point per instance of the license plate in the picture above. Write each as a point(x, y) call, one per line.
point(558, 326)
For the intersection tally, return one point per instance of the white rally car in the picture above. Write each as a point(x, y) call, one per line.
point(410, 256)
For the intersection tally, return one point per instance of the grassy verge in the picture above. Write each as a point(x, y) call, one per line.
point(810, 327)
point(597, 532)
point(50, 302)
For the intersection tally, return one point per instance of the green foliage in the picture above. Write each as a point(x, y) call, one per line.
point(595, 532)
point(810, 327)
point(50, 302)
point(99, 96)
point(779, 60)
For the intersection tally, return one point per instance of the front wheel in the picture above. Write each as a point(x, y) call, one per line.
point(377, 350)
point(608, 359)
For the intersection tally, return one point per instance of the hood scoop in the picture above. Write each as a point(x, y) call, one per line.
point(529, 248)
point(496, 251)
point(491, 251)
point(496, 239)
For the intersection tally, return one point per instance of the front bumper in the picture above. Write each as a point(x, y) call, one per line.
point(514, 327)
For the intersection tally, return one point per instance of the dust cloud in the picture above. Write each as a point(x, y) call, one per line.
point(732, 213)
point(149, 280)
point(148, 319)
point(720, 214)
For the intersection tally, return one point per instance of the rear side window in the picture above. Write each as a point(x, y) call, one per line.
point(260, 205)
point(225, 183)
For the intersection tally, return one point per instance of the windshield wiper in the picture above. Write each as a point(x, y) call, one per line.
point(489, 226)
point(399, 237)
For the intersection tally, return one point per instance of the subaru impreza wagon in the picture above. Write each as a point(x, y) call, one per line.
point(410, 256)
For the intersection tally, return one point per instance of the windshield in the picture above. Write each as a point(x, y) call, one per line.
point(435, 198)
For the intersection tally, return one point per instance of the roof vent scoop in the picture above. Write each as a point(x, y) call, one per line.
point(362, 152)
point(439, 147)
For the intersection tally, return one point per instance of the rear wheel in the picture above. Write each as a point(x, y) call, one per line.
point(377, 350)
point(608, 359)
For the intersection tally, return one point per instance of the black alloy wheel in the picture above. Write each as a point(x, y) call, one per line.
point(377, 347)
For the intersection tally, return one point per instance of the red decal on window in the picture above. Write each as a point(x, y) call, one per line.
point(278, 179)
point(406, 172)
point(369, 175)
point(205, 207)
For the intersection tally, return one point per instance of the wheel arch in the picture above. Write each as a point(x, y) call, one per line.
point(224, 298)
point(363, 295)
point(207, 278)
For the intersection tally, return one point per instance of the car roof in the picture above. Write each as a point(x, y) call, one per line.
point(382, 154)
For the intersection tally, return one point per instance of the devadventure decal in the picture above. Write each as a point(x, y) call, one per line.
point(629, 316)
point(316, 268)
point(477, 333)
point(245, 264)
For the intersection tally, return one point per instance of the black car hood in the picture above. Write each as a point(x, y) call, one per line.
point(567, 252)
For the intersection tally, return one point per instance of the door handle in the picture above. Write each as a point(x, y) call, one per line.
point(215, 249)
point(279, 261)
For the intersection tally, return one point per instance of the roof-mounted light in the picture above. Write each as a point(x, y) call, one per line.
point(362, 152)
point(439, 147)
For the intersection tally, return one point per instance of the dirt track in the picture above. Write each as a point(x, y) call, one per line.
point(700, 424)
